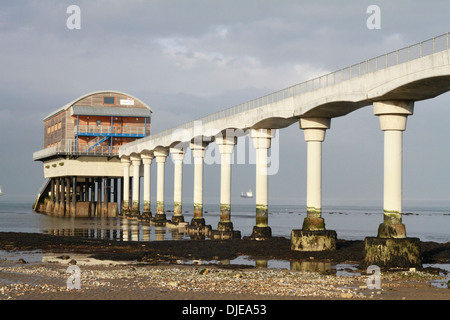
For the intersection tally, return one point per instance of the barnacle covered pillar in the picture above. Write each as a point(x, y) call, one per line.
point(261, 140)
point(313, 236)
point(198, 153)
point(136, 161)
point(126, 185)
point(224, 230)
point(393, 116)
point(160, 156)
point(177, 157)
point(147, 161)
point(391, 248)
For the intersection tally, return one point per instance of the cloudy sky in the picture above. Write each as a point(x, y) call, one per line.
point(189, 58)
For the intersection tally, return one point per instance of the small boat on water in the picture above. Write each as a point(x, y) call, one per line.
point(1, 192)
point(248, 194)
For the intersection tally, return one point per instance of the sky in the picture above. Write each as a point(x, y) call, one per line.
point(189, 58)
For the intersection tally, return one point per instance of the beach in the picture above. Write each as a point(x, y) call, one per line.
point(35, 267)
point(122, 259)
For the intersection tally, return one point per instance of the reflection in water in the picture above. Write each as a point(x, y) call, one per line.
point(118, 229)
point(310, 266)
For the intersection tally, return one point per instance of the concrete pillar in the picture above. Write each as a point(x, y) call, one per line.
point(52, 190)
point(177, 157)
point(57, 197)
point(115, 194)
point(106, 191)
point(261, 140)
point(391, 248)
point(226, 148)
point(393, 116)
point(67, 205)
point(73, 206)
point(161, 156)
point(99, 196)
point(198, 153)
point(136, 161)
point(313, 236)
point(126, 185)
point(314, 130)
point(62, 206)
point(147, 161)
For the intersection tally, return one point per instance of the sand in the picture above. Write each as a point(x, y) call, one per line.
point(155, 271)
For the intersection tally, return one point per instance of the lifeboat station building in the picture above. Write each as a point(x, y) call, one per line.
point(84, 175)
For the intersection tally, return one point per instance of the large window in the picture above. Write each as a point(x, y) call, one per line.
point(108, 100)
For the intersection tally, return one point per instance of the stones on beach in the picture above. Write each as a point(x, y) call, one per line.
point(346, 295)
point(260, 282)
point(173, 283)
point(203, 272)
point(73, 262)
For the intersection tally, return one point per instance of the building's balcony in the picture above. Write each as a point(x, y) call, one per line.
point(111, 131)
point(70, 148)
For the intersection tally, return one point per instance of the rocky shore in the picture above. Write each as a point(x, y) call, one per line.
point(152, 271)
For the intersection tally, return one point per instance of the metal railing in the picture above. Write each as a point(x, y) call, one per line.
point(123, 131)
point(69, 147)
point(413, 52)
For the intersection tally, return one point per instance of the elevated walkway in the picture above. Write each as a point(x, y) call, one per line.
point(417, 72)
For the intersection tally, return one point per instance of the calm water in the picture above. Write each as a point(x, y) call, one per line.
point(429, 223)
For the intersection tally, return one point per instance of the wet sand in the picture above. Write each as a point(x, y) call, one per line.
point(149, 271)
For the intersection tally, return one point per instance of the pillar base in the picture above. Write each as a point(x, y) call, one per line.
point(261, 233)
point(159, 219)
point(146, 215)
point(177, 219)
point(314, 224)
point(225, 235)
point(198, 222)
point(73, 210)
point(392, 253)
point(125, 212)
point(135, 213)
point(83, 209)
point(396, 230)
point(225, 226)
point(317, 240)
point(49, 207)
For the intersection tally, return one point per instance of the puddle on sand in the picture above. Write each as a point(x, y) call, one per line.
point(34, 256)
point(346, 270)
point(343, 270)
point(441, 283)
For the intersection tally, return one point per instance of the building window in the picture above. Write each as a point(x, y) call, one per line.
point(109, 100)
point(99, 122)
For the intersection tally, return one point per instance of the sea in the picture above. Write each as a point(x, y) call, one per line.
point(429, 222)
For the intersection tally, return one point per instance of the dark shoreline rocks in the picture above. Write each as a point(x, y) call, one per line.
point(275, 248)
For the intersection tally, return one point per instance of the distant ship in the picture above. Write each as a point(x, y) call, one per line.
point(248, 194)
point(1, 192)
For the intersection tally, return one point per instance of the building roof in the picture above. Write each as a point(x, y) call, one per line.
point(110, 111)
point(67, 106)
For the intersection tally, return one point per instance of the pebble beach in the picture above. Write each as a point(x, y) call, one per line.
point(106, 277)
point(98, 282)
